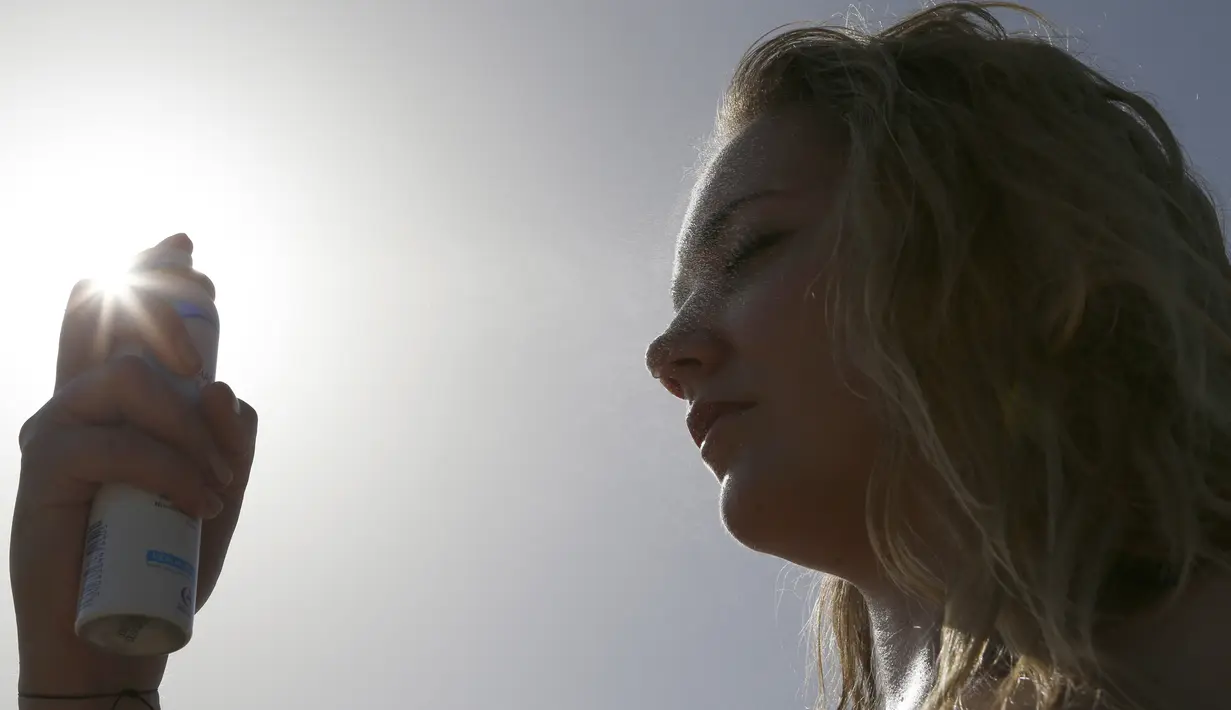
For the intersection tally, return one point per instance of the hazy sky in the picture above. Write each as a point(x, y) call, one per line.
point(442, 234)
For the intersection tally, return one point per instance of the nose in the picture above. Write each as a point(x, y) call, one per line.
point(683, 357)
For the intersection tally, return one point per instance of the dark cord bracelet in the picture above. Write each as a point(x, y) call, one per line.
point(127, 693)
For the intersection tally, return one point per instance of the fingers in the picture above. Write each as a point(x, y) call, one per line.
point(176, 241)
point(128, 391)
point(96, 320)
point(236, 434)
point(233, 424)
point(120, 454)
point(221, 410)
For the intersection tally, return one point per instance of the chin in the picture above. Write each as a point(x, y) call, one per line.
point(750, 515)
point(796, 522)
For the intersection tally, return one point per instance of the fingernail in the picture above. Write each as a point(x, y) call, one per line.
point(213, 504)
point(221, 470)
point(189, 355)
point(235, 403)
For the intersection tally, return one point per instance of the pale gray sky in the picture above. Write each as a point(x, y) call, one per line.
point(442, 236)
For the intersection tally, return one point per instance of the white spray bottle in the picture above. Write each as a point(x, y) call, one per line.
point(139, 571)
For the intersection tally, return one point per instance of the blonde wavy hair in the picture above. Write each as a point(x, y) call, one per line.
point(1035, 285)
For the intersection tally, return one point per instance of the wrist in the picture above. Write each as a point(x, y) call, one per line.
point(142, 701)
point(85, 670)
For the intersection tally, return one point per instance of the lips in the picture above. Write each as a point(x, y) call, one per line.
point(702, 417)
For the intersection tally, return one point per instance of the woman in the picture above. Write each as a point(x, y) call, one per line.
point(952, 320)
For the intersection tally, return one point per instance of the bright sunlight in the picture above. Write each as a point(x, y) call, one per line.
point(88, 195)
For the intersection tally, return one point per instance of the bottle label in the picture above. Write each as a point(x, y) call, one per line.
point(166, 560)
point(95, 557)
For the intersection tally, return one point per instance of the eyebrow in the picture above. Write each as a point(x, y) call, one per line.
point(714, 225)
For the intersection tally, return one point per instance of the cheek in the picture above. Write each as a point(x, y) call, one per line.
point(778, 326)
point(776, 307)
point(803, 492)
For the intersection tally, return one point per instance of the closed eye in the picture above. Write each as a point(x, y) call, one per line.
point(752, 247)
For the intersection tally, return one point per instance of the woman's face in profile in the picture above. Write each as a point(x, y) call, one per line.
point(749, 349)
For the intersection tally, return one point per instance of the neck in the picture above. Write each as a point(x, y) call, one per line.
point(905, 645)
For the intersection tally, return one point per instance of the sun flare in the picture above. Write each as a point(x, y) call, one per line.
point(86, 198)
point(113, 283)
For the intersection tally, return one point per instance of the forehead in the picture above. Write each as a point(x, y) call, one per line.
point(793, 152)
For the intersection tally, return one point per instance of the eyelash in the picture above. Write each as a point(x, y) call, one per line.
point(752, 246)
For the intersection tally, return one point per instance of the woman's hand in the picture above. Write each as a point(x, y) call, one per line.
point(116, 422)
